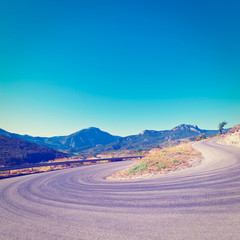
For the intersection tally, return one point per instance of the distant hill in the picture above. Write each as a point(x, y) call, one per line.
point(94, 140)
point(83, 139)
point(16, 152)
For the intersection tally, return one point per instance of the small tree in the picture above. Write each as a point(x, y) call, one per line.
point(221, 126)
point(202, 136)
point(139, 150)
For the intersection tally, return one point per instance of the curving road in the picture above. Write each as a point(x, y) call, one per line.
point(202, 202)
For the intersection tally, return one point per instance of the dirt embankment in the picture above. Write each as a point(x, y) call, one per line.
point(232, 138)
point(160, 161)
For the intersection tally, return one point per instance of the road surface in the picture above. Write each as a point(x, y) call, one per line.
point(201, 202)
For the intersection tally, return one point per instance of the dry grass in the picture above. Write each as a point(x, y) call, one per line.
point(120, 153)
point(160, 161)
point(53, 167)
point(234, 129)
point(232, 138)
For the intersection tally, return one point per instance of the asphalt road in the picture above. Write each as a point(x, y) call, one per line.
point(202, 202)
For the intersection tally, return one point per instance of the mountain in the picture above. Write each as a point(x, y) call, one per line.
point(83, 139)
point(94, 140)
point(15, 152)
point(150, 139)
point(86, 138)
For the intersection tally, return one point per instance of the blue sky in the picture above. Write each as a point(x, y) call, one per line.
point(122, 66)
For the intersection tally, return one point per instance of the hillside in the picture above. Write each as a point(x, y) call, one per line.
point(16, 152)
point(232, 138)
point(160, 161)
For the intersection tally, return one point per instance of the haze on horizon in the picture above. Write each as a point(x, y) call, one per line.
point(121, 66)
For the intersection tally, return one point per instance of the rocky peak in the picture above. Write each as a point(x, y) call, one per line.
point(188, 127)
point(148, 132)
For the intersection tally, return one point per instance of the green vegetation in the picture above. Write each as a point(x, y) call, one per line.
point(221, 126)
point(162, 165)
point(202, 136)
point(139, 150)
point(141, 167)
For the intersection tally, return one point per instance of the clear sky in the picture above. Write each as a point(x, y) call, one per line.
point(122, 66)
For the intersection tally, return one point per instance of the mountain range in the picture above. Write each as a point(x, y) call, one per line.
point(94, 140)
